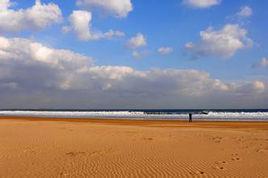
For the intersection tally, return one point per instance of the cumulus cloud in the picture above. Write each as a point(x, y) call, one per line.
point(251, 88)
point(36, 17)
point(165, 50)
point(259, 86)
point(201, 3)
point(112, 33)
point(262, 63)
point(37, 65)
point(118, 8)
point(27, 52)
point(245, 11)
point(80, 24)
point(223, 43)
point(36, 76)
point(137, 41)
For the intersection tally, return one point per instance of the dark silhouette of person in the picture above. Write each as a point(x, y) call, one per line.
point(190, 117)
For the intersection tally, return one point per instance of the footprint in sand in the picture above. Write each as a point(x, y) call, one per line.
point(63, 174)
point(197, 173)
point(97, 153)
point(235, 157)
point(75, 153)
point(262, 150)
point(149, 139)
point(100, 152)
point(94, 153)
point(200, 172)
point(219, 165)
point(217, 139)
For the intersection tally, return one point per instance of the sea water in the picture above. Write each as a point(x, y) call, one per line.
point(160, 114)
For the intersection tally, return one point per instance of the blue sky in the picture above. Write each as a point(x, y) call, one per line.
point(240, 62)
point(167, 24)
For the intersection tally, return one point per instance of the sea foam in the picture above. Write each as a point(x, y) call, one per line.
point(224, 116)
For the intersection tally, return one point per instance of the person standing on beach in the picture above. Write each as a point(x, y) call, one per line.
point(190, 117)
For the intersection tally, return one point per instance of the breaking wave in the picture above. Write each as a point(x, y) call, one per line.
point(243, 115)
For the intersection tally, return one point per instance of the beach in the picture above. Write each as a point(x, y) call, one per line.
point(47, 147)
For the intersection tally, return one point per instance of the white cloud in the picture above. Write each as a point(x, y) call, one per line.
point(224, 42)
point(259, 86)
point(262, 63)
point(113, 33)
point(248, 88)
point(5, 4)
point(27, 52)
point(119, 8)
point(245, 11)
point(36, 17)
point(137, 41)
point(165, 50)
point(41, 76)
point(80, 24)
point(201, 3)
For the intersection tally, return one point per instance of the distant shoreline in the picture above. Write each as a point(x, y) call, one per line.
point(137, 122)
point(198, 115)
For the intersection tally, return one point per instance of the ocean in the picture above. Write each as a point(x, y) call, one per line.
point(149, 114)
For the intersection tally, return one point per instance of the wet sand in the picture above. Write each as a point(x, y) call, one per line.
point(40, 147)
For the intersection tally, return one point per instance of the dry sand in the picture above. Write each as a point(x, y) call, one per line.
point(32, 147)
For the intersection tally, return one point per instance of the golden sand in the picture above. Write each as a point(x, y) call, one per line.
point(35, 147)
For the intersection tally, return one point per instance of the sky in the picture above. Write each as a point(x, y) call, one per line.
point(133, 54)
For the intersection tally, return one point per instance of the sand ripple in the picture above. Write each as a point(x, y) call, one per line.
point(63, 149)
